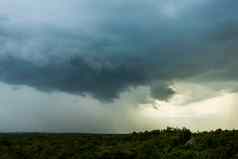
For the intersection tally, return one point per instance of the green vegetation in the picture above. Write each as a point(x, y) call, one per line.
point(158, 144)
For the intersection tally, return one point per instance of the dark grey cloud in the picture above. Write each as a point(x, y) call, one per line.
point(73, 76)
point(162, 91)
point(76, 76)
point(102, 50)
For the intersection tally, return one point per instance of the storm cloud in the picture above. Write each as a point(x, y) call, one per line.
point(89, 48)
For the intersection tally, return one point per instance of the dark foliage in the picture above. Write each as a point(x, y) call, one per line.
point(158, 144)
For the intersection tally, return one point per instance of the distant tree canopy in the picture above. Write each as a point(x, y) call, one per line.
point(171, 143)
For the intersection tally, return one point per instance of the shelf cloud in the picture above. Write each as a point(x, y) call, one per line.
point(103, 49)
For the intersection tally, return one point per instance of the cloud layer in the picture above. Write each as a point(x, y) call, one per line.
point(87, 47)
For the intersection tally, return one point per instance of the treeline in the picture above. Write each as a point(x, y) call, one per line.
point(171, 143)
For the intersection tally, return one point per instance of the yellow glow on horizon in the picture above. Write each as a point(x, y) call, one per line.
point(203, 114)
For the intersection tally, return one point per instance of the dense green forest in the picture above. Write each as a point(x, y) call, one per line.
point(170, 143)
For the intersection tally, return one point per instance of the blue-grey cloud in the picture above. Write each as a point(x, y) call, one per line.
point(91, 48)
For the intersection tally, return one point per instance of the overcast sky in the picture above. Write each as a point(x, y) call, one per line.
point(118, 66)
